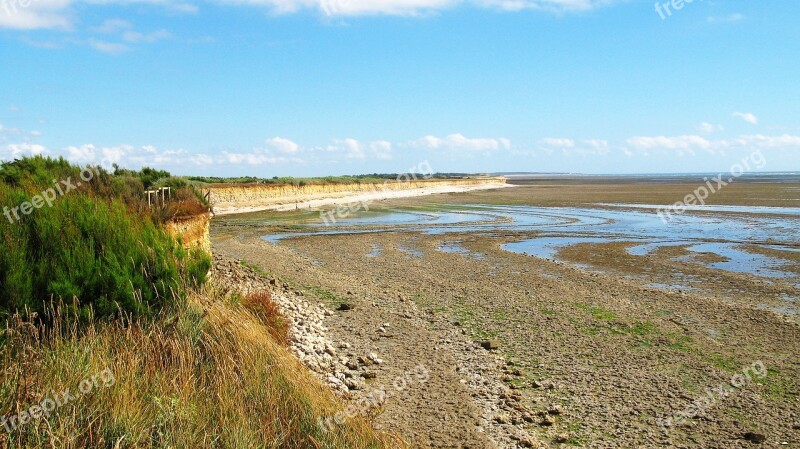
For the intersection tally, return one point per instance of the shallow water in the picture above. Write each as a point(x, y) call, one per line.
point(725, 234)
point(377, 250)
point(456, 248)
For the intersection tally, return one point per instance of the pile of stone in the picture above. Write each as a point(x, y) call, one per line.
point(307, 334)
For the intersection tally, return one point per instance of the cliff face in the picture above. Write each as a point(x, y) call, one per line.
point(275, 195)
point(193, 231)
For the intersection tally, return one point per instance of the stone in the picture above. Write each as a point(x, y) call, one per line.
point(755, 438)
point(503, 419)
point(490, 345)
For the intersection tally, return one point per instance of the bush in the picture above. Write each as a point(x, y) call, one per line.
point(98, 244)
point(264, 307)
point(90, 249)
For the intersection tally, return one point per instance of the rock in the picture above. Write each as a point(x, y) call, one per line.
point(547, 421)
point(755, 438)
point(562, 438)
point(503, 419)
point(490, 345)
point(555, 410)
point(527, 442)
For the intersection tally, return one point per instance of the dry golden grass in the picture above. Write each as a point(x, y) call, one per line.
point(209, 376)
point(262, 305)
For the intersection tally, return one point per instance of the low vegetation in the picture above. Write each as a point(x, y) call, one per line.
point(113, 338)
point(374, 178)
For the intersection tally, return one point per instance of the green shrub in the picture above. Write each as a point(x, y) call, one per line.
point(98, 244)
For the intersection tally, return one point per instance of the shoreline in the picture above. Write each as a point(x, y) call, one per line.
point(357, 198)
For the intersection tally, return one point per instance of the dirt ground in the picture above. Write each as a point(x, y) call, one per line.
point(586, 358)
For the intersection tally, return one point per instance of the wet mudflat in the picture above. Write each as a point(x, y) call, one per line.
point(611, 321)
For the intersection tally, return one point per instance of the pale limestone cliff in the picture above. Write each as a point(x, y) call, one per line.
point(194, 232)
point(255, 196)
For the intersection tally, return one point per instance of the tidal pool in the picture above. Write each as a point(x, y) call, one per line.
point(724, 233)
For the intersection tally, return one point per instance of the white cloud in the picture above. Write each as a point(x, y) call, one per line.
point(747, 116)
point(111, 48)
point(416, 7)
point(201, 159)
point(39, 14)
point(555, 142)
point(249, 158)
point(149, 38)
point(546, 5)
point(283, 145)
point(352, 149)
point(767, 142)
point(61, 14)
point(689, 144)
point(709, 128)
point(459, 142)
point(113, 26)
point(596, 143)
point(686, 144)
point(82, 154)
point(381, 149)
point(18, 150)
point(18, 134)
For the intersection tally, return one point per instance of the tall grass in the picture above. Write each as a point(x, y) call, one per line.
point(209, 375)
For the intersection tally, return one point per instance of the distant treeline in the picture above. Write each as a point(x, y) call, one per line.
point(347, 179)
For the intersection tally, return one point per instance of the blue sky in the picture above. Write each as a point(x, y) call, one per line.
point(306, 88)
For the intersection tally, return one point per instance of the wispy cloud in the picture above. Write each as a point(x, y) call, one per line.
point(460, 142)
point(111, 48)
point(62, 14)
point(557, 142)
point(709, 128)
point(747, 117)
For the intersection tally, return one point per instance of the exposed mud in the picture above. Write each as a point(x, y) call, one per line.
point(599, 357)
